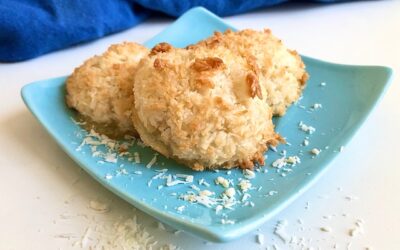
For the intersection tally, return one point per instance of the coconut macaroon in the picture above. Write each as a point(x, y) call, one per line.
point(203, 107)
point(281, 71)
point(101, 88)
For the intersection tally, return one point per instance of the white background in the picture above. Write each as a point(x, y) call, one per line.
point(43, 193)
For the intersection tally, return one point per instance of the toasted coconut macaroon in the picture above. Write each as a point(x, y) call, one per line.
point(202, 107)
point(281, 71)
point(101, 88)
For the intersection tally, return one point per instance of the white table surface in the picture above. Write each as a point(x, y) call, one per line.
point(43, 192)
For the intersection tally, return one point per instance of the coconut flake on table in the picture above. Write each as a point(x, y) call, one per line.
point(99, 206)
point(358, 229)
point(260, 239)
point(326, 229)
point(280, 230)
point(122, 234)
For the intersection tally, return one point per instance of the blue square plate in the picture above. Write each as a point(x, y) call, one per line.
point(349, 95)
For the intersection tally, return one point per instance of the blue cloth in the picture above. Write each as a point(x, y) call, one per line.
point(30, 28)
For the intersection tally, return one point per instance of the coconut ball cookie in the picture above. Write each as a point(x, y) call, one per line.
point(101, 88)
point(203, 107)
point(281, 71)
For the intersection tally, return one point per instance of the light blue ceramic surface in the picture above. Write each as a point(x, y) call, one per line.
point(349, 95)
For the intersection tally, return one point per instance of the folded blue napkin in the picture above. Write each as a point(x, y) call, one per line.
point(30, 28)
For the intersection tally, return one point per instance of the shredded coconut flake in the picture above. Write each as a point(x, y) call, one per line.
point(180, 208)
point(326, 229)
point(260, 239)
point(136, 157)
point(99, 206)
point(316, 106)
point(222, 181)
point(245, 185)
point(282, 162)
point(173, 180)
point(248, 174)
point(280, 230)
point(203, 182)
point(306, 128)
point(227, 222)
point(123, 234)
point(245, 197)
point(230, 192)
point(358, 229)
point(152, 162)
point(315, 151)
point(205, 193)
point(272, 192)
